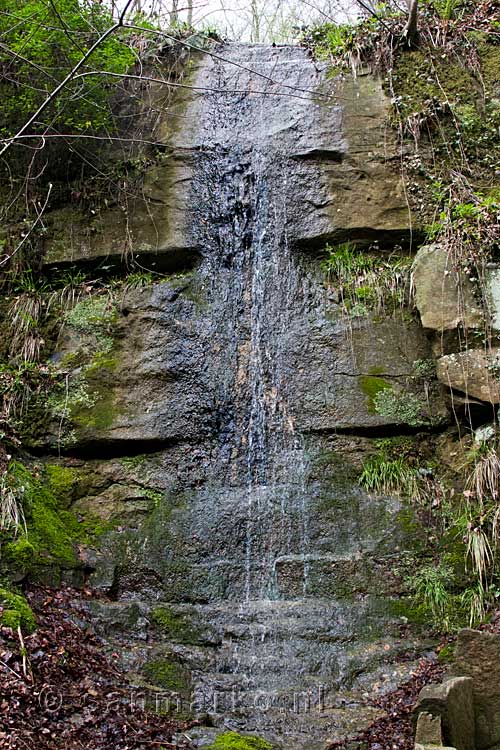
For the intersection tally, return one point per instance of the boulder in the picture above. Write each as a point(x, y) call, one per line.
point(429, 729)
point(472, 372)
point(445, 714)
point(444, 296)
point(477, 657)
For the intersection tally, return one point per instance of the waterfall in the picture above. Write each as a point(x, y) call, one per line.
point(267, 563)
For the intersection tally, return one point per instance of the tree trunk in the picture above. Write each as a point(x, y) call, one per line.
point(174, 14)
point(255, 36)
point(190, 13)
point(411, 29)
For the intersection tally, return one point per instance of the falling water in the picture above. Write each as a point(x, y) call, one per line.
point(262, 568)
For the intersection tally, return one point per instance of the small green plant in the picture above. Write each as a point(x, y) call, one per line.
point(92, 315)
point(385, 476)
point(367, 282)
point(431, 588)
point(331, 40)
point(424, 369)
point(138, 280)
point(447, 9)
point(27, 314)
point(476, 601)
point(446, 654)
point(345, 262)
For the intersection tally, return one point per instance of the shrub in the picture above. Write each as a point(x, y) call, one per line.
point(45, 43)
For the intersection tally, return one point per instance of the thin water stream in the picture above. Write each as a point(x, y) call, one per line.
point(278, 570)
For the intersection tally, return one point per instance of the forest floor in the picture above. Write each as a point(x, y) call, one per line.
point(59, 690)
point(70, 694)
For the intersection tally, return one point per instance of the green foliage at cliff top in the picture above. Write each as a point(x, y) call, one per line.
point(41, 43)
point(443, 87)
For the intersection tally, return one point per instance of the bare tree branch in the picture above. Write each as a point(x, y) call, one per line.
point(215, 56)
point(130, 76)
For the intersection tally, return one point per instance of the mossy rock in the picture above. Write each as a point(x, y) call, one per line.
point(19, 554)
point(236, 741)
point(371, 385)
point(176, 627)
point(53, 531)
point(429, 83)
point(94, 315)
point(62, 482)
point(416, 81)
point(168, 675)
point(16, 612)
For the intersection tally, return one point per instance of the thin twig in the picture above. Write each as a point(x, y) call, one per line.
point(4, 664)
point(22, 650)
point(35, 223)
point(130, 76)
point(215, 56)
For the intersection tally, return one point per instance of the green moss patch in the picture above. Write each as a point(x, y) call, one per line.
point(176, 627)
point(101, 414)
point(15, 611)
point(62, 482)
point(94, 316)
point(235, 741)
point(371, 385)
point(417, 76)
point(447, 653)
point(19, 554)
point(433, 86)
point(167, 674)
point(52, 530)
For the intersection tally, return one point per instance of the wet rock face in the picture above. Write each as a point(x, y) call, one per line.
point(346, 178)
point(266, 180)
point(210, 434)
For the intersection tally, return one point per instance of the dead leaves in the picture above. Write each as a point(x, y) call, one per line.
point(72, 697)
